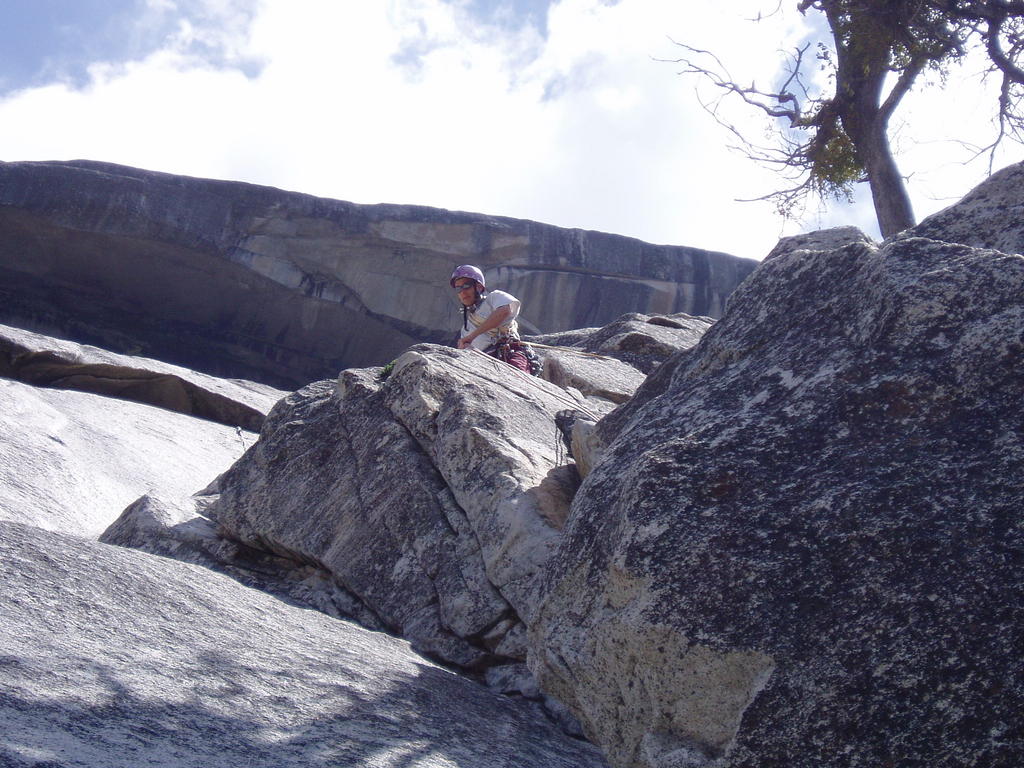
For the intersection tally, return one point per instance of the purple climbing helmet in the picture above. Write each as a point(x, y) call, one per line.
point(471, 272)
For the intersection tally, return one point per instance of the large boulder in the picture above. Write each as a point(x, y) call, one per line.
point(802, 544)
point(433, 495)
point(116, 659)
point(605, 381)
point(990, 216)
point(244, 281)
point(489, 430)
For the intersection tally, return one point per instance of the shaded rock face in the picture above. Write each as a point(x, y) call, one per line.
point(252, 282)
point(117, 659)
point(802, 545)
point(43, 361)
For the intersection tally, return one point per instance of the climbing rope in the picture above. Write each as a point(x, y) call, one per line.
point(241, 438)
point(560, 457)
point(570, 350)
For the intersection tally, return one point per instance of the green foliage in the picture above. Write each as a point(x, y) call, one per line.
point(385, 372)
point(835, 168)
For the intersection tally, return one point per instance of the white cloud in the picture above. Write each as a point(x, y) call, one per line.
point(417, 101)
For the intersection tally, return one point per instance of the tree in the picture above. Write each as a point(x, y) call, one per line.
point(832, 138)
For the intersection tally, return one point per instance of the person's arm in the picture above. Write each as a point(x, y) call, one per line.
point(498, 317)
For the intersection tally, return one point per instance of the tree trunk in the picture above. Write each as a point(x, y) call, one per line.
point(865, 42)
point(888, 191)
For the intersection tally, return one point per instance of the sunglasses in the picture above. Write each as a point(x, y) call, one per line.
point(463, 286)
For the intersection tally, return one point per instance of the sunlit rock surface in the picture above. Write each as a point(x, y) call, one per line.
point(72, 461)
point(115, 659)
point(641, 341)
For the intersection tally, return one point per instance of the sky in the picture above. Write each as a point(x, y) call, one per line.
point(568, 112)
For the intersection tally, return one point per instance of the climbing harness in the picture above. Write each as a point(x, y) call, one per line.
point(517, 354)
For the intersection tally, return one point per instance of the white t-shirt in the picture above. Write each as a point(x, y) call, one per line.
point(477, 315)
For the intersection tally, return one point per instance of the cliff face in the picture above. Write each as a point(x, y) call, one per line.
point(247, 281)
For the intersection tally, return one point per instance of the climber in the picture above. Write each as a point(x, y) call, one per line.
point(489, 321)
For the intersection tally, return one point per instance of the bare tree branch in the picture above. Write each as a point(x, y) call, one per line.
point(901, 89)
point(830, 141)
